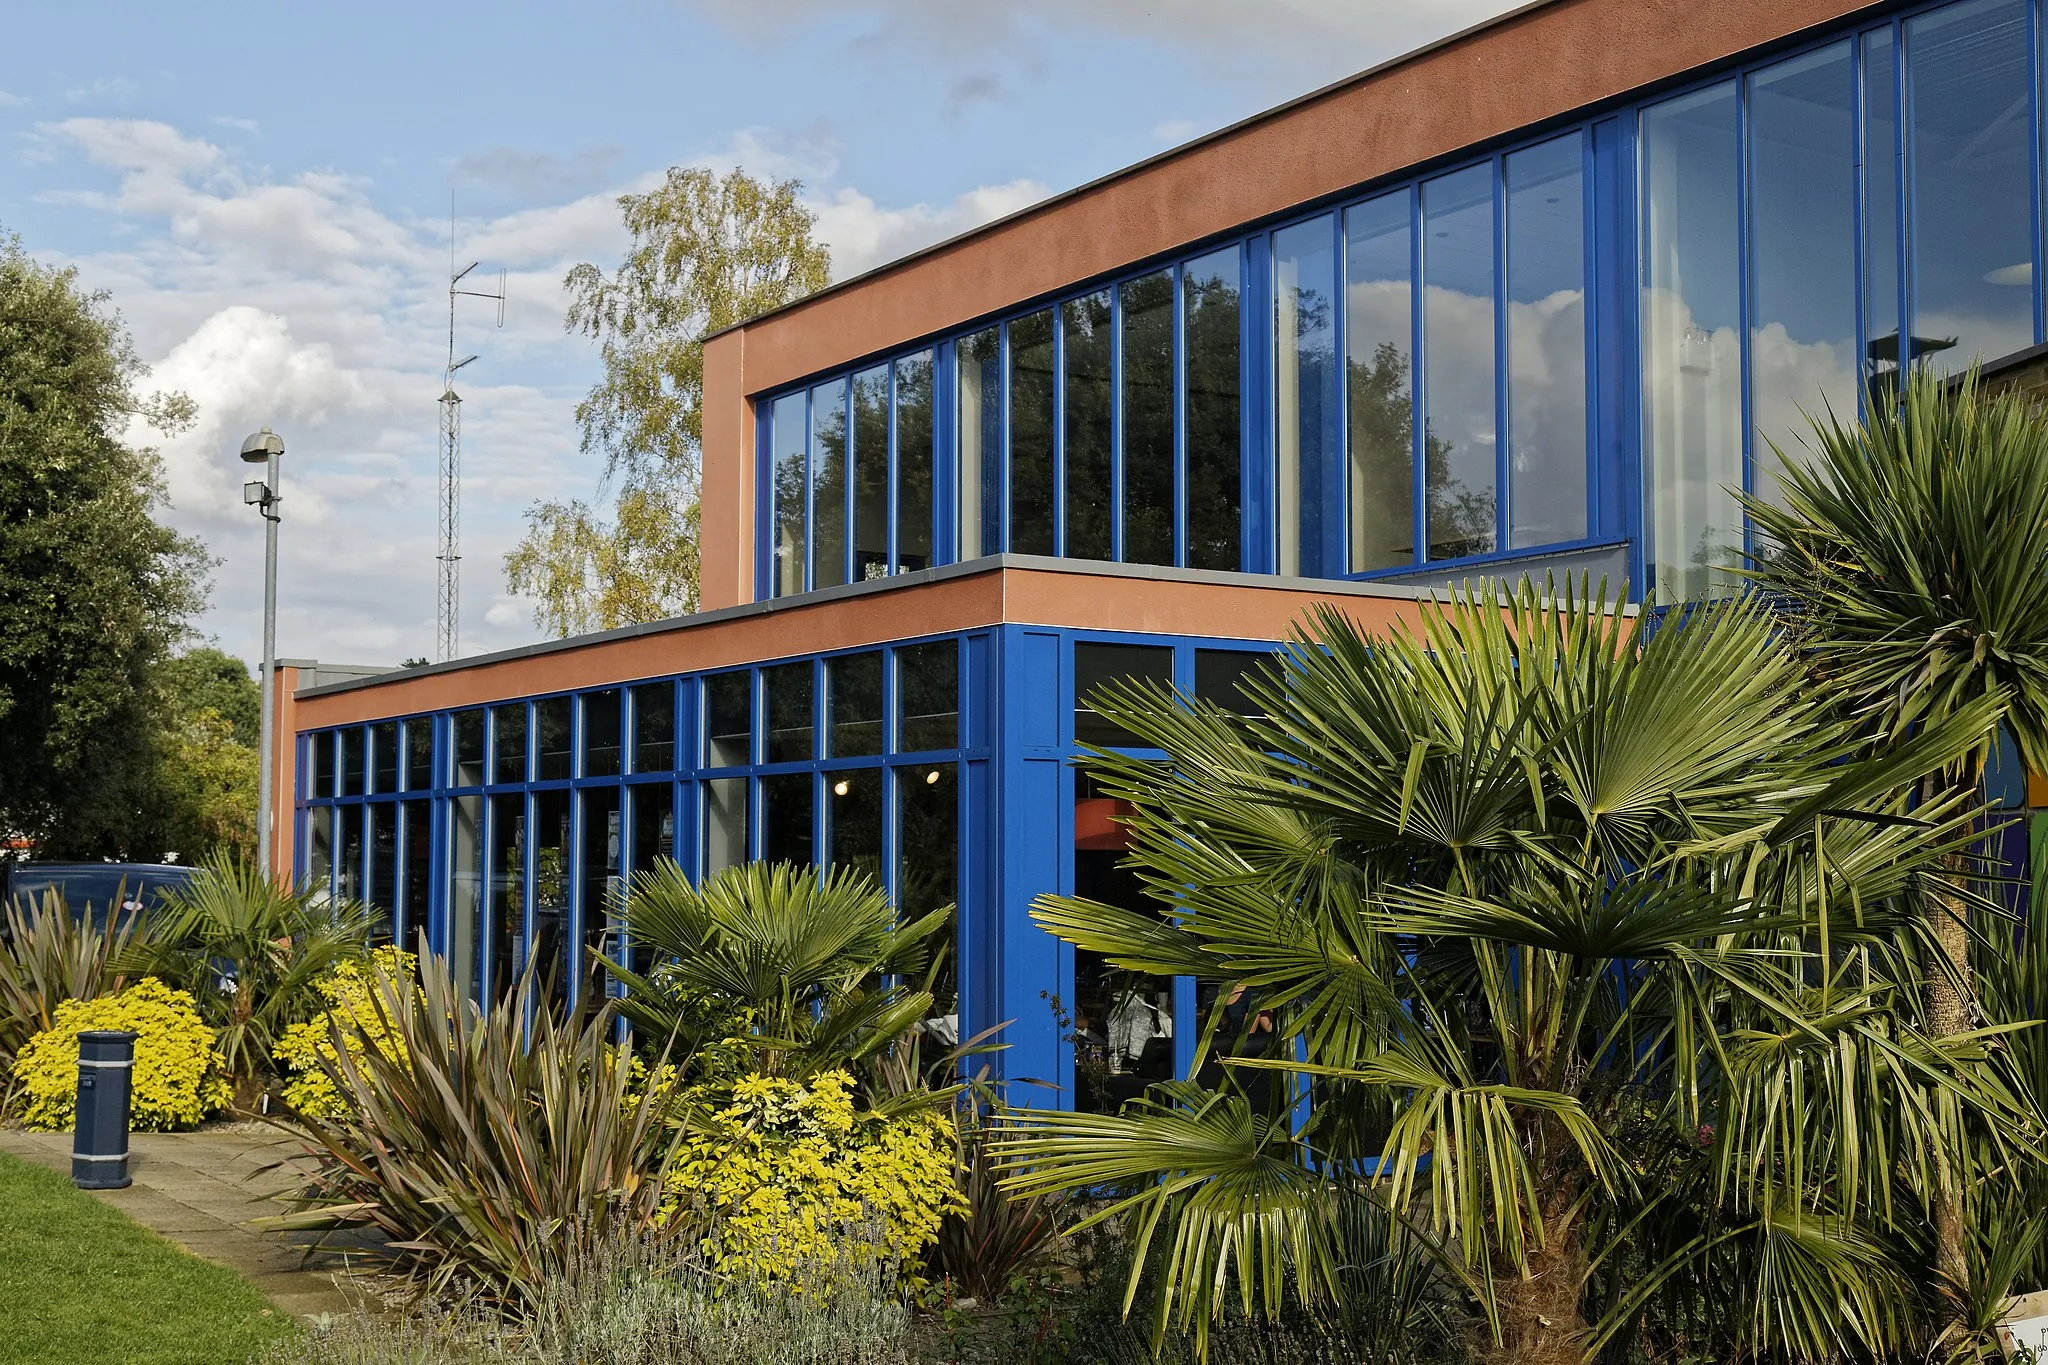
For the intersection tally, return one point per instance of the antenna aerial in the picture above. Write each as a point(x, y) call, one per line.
point(449, 614)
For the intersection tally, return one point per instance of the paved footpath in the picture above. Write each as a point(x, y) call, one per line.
point(203, 1190)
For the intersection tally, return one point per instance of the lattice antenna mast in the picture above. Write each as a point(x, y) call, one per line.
point(448, 617)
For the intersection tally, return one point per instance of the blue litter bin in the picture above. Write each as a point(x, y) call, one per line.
point(99, 1143)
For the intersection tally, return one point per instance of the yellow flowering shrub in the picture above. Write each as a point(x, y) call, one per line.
point(795, 1187)
point(179, 1076)
point(307, 1049)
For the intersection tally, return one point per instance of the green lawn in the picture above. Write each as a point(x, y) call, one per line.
point(81, 1282)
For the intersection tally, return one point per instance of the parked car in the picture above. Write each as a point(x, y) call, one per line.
point(93, 888)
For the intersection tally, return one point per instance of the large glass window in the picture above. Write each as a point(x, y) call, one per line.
point(654, 727)
point(320, 850)
point(1691, 344)
point(419, 754)
point(1458, 362)
point(1221, 676)
point(1088, 340)
point(1970, 172)
point(469, 748)
point(828, 484)
point(853, 820)
point(979, 397)
point(508, 743)
point(914, 467)
point(505, 932)
point(466, 892)
point(1802, 274)
point(1148, 418)
point(928, 696)
point(928, 860)
point(384, 757)
point(787, 434)
point(382, 886)
point(1123, 1023)
point(1211, 293)
point(553, 756)
point(320, 764)
point(1032, 495)
point(871, 473)
point(1096, 664)
point(1379, 336)
point(1304, 391)
point(791, 722)
point(603, 885)
point(601, 733)
point(416, 911)
point(352, 761)
point(728, 720)
point(726, 824)
point(553, 854)
point(786, 818)
point(1546, 342)
point(854, 701)
point(1880, 211)
point(348, 852)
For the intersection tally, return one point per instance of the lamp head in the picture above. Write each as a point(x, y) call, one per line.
point(259, 448)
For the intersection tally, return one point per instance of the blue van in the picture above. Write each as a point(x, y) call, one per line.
point(91, 888)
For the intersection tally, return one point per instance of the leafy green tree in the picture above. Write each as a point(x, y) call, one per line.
point(210, 679)
point(94, 591)
point(1908, 556)
point(708, 251)
point(1588, 949)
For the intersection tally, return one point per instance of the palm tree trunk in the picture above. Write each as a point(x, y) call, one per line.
point(1541, 1303)
point(1949, 992)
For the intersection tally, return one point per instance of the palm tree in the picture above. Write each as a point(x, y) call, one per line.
point(804, 969)
point(1583, 943)
point(252, 952)
point(1909, 558)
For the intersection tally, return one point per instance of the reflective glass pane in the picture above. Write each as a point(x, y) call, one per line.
point(603, 886)
point(505, 931)
point(1089, 341)
point(384, 757)
point(1802, 235)
point(1304, 391)
point(1096, 664)
point(352, 761)
point(725, 824)
point(1211, 294)
point(791, 720)
point(928, 696)
point(853, 820)
point(786, 819)
point(320, 764)
point(654, 727)
point(553, 756)
point(1031, 402)
point(1458, 362)
point(1123, 1023)
point(928, 859)
point(465, 894)
point(1546, 368)
point(1221, 675)
point(508, 743)
point(980, 399)
point(601, 733)
point(1969, 168)
point(1380, 334)
point(1148, 419)
point(871, 473)
point(1692, 370)
point(417, 909)
point(419, 754)
point(854, 685)
point(828, 484)
point(381, 891)
point(320, 850)
point(552, 859)
point(1880, 212)
point(469, 748)
point(728, 720)
point(348, 852)
point(788, 438)
point(914, 462)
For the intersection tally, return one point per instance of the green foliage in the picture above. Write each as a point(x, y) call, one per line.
point(707, 252)
point(311, 1051)
point(794, 1186)
point(209, 679)
point(1597, 945)
point(274, 942)
point(484, 1147)
point(48, 956)
point(80, 1281)
point(94, 591)
point(773, 970)
point(992, 1245)
point(178, 1077)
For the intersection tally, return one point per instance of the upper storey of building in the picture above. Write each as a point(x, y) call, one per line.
point(1543, 294)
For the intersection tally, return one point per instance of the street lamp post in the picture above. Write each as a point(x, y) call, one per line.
point(264, 448)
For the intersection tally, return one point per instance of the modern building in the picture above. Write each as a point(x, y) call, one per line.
point(1528, 301)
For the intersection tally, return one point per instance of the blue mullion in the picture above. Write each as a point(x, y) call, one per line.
point(1258, 528)
point(1179, 364)
point(1418, 426)
point(1503, 431)
point(1745, 282)
point(440, 895)
point(1116, 422)
point(1059, 430)
point(819, 822)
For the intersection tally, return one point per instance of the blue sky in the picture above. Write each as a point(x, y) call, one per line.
point(265, 192)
